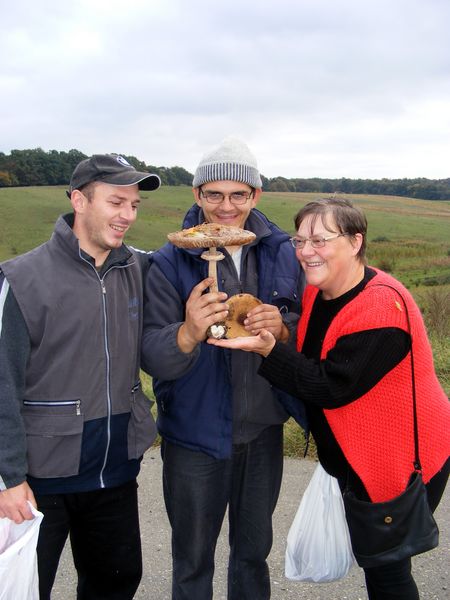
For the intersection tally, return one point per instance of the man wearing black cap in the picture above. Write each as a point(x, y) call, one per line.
point(74, 420)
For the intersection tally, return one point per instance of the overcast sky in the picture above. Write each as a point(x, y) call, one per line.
point(317, 88)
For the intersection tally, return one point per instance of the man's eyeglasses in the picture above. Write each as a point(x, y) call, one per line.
point(316, 241)
point(218, 197)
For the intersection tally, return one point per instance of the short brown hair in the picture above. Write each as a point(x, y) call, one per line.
point(88, 190)
point(348, 218)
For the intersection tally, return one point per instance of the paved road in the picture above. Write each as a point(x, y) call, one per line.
point(431, 569)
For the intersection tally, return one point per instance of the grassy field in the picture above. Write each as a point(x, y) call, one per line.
point(408, 238)
point(413, 235)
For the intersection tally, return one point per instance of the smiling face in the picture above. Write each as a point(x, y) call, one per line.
point(226, 213)
point(335, 268)
point(103, 216)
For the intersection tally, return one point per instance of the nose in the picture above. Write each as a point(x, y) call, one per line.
point(307, 249)
point(128, 212)
point(226, 202)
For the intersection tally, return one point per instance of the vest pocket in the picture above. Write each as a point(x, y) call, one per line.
point(54, 435)
point(141, 427)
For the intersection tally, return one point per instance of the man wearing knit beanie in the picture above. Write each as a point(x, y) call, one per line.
point(221, 423)
point(232, 160)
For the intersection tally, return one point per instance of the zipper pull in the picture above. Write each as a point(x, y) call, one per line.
point(103, 286)
point(78, 405)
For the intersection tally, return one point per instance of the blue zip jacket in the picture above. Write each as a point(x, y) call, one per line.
point(195, 407)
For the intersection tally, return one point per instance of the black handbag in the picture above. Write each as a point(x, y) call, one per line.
point(385, 532)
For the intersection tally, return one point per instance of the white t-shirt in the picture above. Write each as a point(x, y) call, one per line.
point(236, 256)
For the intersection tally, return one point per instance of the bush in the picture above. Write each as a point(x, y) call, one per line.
point(441, 355)
point(386, 264)
point(436, 311)
point(437, 280)
point(430, 281)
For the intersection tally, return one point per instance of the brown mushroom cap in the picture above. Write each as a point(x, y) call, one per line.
point(239, 305)
point(209, 235)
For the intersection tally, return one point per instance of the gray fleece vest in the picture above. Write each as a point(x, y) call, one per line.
point(85, 336)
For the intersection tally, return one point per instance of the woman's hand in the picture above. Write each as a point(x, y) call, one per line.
point(262, 343)
point(268, 317)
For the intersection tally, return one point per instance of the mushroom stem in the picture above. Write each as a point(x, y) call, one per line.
point(212, 256)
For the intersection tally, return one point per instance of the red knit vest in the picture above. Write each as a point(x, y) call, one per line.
point(376, 431)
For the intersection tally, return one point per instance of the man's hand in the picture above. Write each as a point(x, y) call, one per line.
point(202, 310)
point(14, 505)
point(268, 317)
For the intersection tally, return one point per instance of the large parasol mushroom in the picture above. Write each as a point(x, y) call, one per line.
point(213, 236)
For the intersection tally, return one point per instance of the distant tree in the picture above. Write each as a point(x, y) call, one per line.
point(137, 164)
point(281, 184)
point(327, 187)
point(265, 182)
point(181, 176)
point(36, 167)
point(6, 179)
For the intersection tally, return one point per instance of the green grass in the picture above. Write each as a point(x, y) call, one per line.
point(27, 216)
point(407, 237)
point(416, 248)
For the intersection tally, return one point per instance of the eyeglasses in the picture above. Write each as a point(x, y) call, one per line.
point(218, 197)
point(316, 241)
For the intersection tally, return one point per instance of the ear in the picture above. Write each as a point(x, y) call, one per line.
point(356, 241)
point(256, 197)
point(78, 201)
point(196, 192)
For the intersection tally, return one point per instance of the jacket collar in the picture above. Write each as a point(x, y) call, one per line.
point(63, 235)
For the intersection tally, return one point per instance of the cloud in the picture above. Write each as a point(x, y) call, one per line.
point(317, 88)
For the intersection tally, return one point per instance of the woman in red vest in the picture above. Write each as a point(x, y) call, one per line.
point(351, 371)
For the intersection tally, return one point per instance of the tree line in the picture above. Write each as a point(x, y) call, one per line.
point(420, 188)
point(37, 167)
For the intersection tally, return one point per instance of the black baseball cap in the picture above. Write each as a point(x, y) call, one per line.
point(113, 169)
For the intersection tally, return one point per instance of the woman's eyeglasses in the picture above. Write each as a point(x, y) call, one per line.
point(316, 241)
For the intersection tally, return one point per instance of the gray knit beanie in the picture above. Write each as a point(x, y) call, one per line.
point(231, 161)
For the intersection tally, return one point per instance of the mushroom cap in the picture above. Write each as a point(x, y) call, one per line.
point(211, 235)
point(238, 307)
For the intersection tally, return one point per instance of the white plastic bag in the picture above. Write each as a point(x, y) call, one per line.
point(18, 559)
point(318, 543)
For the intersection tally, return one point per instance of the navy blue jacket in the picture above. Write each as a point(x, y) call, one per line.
point(195, 399)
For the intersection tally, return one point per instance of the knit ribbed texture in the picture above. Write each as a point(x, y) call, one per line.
point(232, 160)
point(376, 432)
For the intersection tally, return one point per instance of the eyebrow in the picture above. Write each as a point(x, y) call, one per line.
point(213, 191)
point(119, 196)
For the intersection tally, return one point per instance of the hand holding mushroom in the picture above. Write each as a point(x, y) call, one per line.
point(202, 311)
point(212, 236)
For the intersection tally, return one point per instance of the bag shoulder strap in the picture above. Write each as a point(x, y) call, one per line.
point(416, 463)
